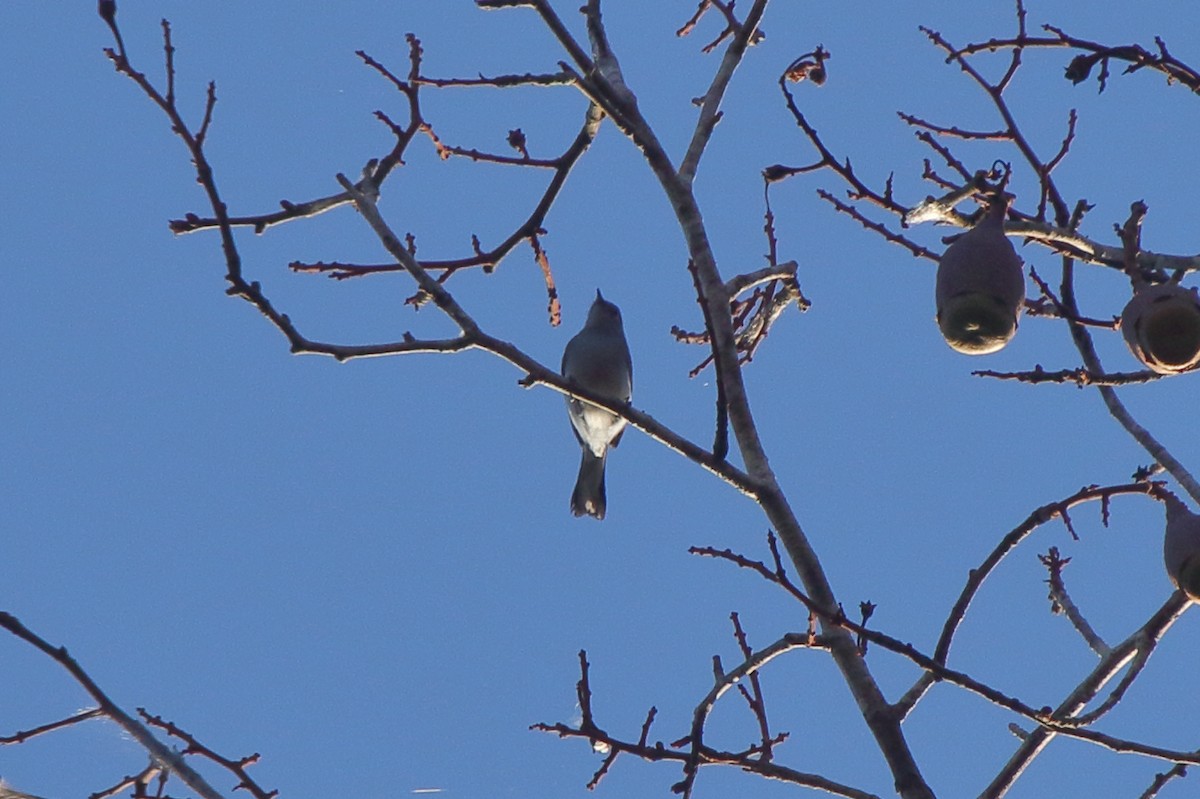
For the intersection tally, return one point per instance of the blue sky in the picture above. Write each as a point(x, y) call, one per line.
point(368, 573)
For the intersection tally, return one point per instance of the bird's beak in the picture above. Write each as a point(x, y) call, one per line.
point(599, 296)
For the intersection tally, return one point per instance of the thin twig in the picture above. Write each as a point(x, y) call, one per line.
point(1061, 601)
point(22, 736)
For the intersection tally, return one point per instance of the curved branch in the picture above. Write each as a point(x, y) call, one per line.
point(1010, 541)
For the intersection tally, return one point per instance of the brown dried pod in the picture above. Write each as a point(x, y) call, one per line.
point(1181, 548)
point(980, 287)
point(1161, 325)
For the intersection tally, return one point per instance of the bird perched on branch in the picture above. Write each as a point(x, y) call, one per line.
point(597, 359)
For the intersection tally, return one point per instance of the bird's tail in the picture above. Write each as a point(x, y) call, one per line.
point(588, 497)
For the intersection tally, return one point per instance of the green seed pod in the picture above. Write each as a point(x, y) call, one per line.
point(1181, 547)
point(980, 287)
point(1161, 325)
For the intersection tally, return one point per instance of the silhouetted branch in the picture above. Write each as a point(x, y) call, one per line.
point(1018, 534)
point(1079, 376)
point(732, 25)
point(499, 81)
point(161, 754)
point(954, 131)
point(1060, 600)
point(754, 760)
point(194, 747)
point(1060, 236)
point(1081, 66)
point(137, 782)
point(1160, 780)
point(21, 736)
point(1087, 690)
point(536, 373)
point(734, 327)
point(743, 34)
point(1054, 723)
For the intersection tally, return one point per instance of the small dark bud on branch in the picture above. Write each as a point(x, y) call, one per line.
point(777, 172)
point(1080, 67)
point(516, 140)
point(108, 10)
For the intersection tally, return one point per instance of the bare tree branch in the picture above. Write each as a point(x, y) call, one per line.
point(161, 754)
point(734, 327)
point(1061, 601)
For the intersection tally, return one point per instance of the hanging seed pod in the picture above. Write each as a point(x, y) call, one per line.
point(980, 287)
point(1181, 547)
point(1161, 325)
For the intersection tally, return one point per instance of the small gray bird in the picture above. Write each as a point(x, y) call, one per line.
point(597, 359)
